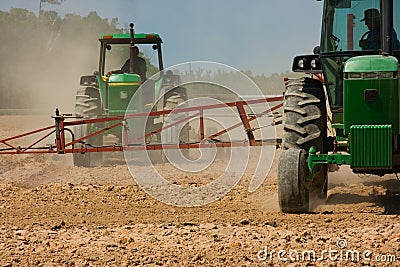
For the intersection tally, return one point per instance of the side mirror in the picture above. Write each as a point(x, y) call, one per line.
point(108, 47)
point(316, 50)
point(155, 47)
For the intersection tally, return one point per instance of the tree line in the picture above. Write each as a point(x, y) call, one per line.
point(42, 57)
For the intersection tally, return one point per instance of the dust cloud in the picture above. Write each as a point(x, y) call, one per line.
point(43, 73)
point(41, 70)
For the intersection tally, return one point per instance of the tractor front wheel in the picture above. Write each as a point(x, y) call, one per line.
point(305, 125)
point(292, 191)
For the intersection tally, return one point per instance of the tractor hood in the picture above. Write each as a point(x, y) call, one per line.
point(372, 63)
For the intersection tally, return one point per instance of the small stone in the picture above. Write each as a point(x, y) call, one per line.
point(20, 232)
point(270, 223)
point(327, 212)
point(323, 239)
point(190, 224)
point(109, 188)
point(245, 222)
point(58, 226)
point(197, 257)
point(209, 226)
point(216, 238)
point(93, 258)
point(105, 233)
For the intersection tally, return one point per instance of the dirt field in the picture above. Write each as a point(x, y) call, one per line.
point(54, 214)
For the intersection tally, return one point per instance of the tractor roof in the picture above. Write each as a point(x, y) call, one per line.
point(124, 38)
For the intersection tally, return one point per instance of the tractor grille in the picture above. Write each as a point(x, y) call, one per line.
point(371, 146)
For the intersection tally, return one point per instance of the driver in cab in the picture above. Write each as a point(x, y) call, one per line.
point(139, 64)
point(371, 40)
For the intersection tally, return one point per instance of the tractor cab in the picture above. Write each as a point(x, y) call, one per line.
point(113, 90)
point(112, 83)
point(352, 28)
point(355, 28)
point(117, 83)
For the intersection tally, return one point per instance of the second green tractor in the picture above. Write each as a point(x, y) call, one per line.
point(108, 93)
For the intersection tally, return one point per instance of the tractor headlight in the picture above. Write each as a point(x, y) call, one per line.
point(301, 63)
point(88, 80)
point(307, 63)
point(313, 64)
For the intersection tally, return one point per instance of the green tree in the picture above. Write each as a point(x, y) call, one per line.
point(52, 2)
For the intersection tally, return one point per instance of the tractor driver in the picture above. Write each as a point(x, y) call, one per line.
point(373, 40)
point(139, 66)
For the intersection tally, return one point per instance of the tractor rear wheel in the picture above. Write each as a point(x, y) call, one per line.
point(171, 99)
point(87, 105)
point(305, 125)
point(292, 191)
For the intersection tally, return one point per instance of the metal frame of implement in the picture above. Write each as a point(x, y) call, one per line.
point(63, 147)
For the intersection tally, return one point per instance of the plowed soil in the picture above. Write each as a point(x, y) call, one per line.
point(55, 214)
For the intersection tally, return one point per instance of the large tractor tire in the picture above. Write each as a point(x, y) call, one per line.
point(305, 125)
point(87, 105)
point(171, 100)
point(292, 190)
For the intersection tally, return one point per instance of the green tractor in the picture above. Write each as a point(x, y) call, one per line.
point(346, 111)
point(110, 89)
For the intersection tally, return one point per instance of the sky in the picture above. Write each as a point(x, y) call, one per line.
point(258, 35)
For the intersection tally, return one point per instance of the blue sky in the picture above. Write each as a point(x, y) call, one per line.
point(258, 35)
